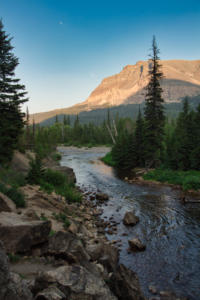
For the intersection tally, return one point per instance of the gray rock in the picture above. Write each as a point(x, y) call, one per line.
point(6, 204)
point(19, 233)
point(136, 245)
point(104, 253)
point(51, 293)
point(67, 246)
point(70, 175)
point(102, 197)
point(124, 284)
point(130, 218)
point(76, 283)
point(11, 285)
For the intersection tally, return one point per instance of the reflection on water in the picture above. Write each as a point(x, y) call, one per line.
point(170, 230)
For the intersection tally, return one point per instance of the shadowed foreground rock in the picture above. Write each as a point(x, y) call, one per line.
point(75, 282)
point(11, 285)
point(67, 246)
point(19, 233)
point(124, 284)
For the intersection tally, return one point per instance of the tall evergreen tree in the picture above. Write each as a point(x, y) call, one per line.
point(12, 95)
point(154, 110)
point(139, 141)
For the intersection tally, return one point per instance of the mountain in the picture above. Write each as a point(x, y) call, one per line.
point(181, 78)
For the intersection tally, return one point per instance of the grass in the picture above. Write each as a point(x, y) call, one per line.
point(186, 179)
point(62, 218)
point(108, 160)
point(13, 257)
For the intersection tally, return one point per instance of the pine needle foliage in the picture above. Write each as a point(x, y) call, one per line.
point(154, 110)
point(12, 95)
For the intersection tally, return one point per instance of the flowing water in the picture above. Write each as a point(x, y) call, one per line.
point(170, 230)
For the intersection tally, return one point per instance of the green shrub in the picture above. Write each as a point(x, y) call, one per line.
point(14, 194)
point(55, 178)
point(11, 177)
point(56, 156)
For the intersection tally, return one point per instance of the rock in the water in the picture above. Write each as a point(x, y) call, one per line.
point(6, 204)
point(19, 233)
point(67, 246)
point(11, 285)
point(51, 293)
point(136, 245)
point(102, 197)
point(76, 283)
point(130, 218)
point(124, 284)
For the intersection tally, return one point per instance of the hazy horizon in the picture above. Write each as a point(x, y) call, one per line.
point(65, 49)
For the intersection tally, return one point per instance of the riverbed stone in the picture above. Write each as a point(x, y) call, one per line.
point(20, 234)
point(102, 197)
point(130, 218)
point(136, 245)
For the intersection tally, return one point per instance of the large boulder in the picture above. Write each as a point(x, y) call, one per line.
point(104, 253)
point(6, 204)
point(124, 284)
point(21, 162)
point(20, 234)
point(70, 175)
point(75, 282)
point(130, 218)
point(67, 246)
point(12, 287)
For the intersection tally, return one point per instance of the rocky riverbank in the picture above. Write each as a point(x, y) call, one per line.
point(55, 250)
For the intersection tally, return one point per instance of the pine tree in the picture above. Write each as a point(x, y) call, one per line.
point(154, 111)
point(139, 141)
point(12, 95)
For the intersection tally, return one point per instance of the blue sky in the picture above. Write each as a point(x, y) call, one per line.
point(67, 47)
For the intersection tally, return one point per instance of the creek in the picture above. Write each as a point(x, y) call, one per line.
point(169, 229)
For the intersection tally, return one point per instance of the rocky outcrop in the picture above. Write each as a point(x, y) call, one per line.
point(6, 204)
point(125, 284)
point(20, 234)
point(12, 287)
point(130, 219)
point(75, 282)
point(102, 197)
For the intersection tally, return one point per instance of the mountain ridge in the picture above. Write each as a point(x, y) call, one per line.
point(181, 78)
